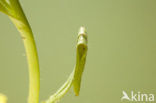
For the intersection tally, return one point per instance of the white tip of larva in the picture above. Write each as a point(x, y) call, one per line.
point(82, 30)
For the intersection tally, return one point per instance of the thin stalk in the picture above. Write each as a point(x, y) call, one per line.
point(61, 91)
point(13, 9)
point(33, 63)
point(32, 58)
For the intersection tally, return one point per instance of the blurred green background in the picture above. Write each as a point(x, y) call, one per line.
point(121, 55)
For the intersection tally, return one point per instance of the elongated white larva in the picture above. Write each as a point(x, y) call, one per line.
point(75, 77)
point(80, 59)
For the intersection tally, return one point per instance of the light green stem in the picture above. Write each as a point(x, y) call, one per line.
point(62, 91)
point(32, 58)
point(13, 9)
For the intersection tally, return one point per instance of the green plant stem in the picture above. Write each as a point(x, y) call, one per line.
point(32, 58)
point(62, 91)
point(23, 27)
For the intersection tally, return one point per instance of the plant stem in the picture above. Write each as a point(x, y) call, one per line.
point(26, 33)
point(32, 58)
point(62, 90)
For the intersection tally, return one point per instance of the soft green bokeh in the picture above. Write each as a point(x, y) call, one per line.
point(121, 53)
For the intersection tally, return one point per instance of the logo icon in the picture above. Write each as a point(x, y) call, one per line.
point(137, 96)
point(125, 96)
